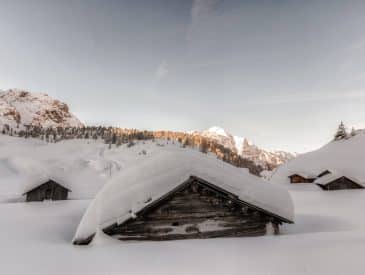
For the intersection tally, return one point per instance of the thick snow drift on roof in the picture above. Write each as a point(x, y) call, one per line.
point(346, 157)
point(165, 169)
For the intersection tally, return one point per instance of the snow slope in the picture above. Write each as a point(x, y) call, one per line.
point(81, 165)
point(20, 107)
point(343, 157)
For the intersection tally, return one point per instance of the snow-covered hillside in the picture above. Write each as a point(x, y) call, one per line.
point(343, 156)
point(327, 226)
point(81, 165)
point(19, 107)
point(246, 149)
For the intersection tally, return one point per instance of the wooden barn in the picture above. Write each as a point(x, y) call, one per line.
point(338, 182)
point(49, 190)
point(226, 203)
point(301, 178)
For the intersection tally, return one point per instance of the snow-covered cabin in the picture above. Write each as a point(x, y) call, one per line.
point(338, 181)
point(301, 178)
point(49, 190)
point(181, 193)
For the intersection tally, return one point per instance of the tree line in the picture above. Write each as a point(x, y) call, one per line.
point(114, 136)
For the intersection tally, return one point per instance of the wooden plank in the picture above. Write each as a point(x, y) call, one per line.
point(193, 212)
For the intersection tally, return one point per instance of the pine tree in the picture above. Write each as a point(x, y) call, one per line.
point(341, 132)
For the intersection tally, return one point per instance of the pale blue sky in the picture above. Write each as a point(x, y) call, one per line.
point(282, 73)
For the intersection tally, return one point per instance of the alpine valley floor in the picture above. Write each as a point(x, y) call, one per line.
point(327, 238)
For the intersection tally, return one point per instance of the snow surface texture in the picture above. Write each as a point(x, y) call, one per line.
point(342, 157)
point(19, 107)
point(163, 169)
point(80, 165)
point(328, 237)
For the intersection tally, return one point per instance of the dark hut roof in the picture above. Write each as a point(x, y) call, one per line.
point(34, 181)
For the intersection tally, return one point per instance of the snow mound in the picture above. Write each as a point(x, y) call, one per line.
point(163, 170)
point(342, 157)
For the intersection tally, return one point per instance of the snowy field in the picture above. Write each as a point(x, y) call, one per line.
point(328, 238)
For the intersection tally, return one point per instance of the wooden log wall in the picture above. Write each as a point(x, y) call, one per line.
point(194, 212)
point(48, 191)
point(341, 183)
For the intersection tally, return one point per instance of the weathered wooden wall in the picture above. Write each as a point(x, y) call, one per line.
point(300, 179)
point(340, 184)
point(48, 191)
point(194, 212)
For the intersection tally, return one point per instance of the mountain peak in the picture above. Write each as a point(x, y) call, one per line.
point(246, 149)
point(21, 107)
point(218, 131)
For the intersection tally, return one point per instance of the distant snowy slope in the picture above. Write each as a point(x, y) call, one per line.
point(78, 164)
point(81, 165)
point(19, 107)
point(345, 156)
point(246, 149)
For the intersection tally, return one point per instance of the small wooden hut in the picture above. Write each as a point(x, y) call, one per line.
point(338, 182)
point(49, 190)
point(301, 178)
point(196, 209)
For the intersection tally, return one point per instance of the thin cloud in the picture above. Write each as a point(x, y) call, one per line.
point(201, 9)
point(162, 70)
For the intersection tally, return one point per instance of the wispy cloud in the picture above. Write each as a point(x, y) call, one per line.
point(162, 70)
point(203, 7)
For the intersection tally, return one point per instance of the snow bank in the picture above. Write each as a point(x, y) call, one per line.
point(162, 171)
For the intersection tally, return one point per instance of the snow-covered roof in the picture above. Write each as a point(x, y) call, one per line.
point(35, 181)
point(335, 175)
point(345, 156)
point(306, 175)
point(161, 172)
